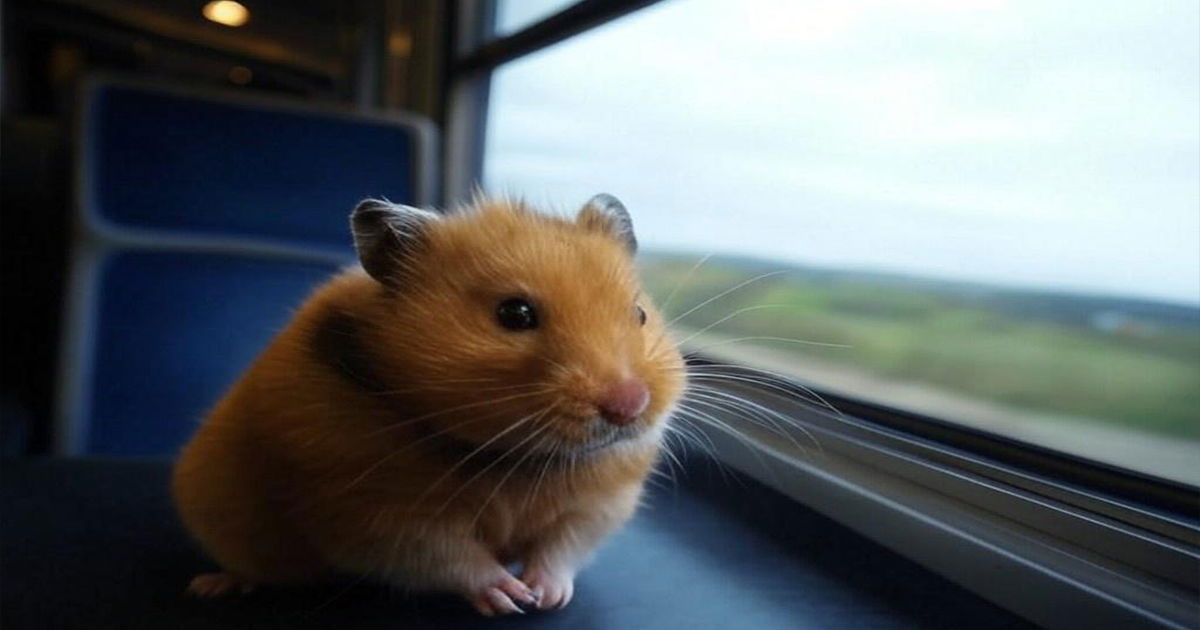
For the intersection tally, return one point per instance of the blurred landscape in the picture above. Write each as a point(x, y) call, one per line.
point(1127, 363)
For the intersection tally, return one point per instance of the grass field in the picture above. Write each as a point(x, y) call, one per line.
point(1126, 362)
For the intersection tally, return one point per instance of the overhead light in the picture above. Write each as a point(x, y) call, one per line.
point(226, 12)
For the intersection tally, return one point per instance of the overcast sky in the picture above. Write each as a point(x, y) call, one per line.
point(1039, 143)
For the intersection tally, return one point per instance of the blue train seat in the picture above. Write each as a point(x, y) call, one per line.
point(203, 220)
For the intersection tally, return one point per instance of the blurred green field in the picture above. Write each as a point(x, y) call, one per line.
point(1128, 362)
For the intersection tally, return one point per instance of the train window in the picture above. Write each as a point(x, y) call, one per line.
point(988, 210)
point(514, 15)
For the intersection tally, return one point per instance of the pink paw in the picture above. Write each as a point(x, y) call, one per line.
point(210, 585)
point(552, 588)
point(502, 597)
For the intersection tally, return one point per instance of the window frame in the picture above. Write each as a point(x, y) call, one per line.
point(472, 56)
point(1057, 554)
point(1067, 542)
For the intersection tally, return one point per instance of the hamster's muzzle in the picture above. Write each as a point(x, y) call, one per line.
point(622, 403)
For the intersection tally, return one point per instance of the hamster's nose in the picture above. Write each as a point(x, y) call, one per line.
point(624, 402)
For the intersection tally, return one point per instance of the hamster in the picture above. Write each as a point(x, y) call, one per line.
point(489, 390)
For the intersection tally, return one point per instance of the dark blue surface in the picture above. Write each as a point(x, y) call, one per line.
point(176, 163)
point(95, 544)
point(174, 331)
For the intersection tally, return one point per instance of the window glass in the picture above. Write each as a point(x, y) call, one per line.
point(514, 15)
point(991, 207)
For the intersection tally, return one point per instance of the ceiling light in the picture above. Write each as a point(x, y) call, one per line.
point(227, 12)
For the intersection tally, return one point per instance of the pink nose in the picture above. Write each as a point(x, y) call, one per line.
point(624, 402)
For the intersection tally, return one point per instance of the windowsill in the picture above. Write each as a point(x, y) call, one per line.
point(1054, 553)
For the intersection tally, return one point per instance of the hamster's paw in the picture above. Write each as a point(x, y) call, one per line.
point(210, 585)
point(552, 588)
point(502, 597)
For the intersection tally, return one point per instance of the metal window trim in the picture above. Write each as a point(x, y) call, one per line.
point(1156, 494)
point(1058, 563)
point(466, 102)
point(1172, 508)
point(577, 18)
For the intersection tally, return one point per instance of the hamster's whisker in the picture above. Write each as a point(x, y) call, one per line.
point(666, 304)
point(752, 374)
point(442, 412)
point(686, 278)
point(664, 358)
point(687, 435)
point(691, 412)
point(425, 438)
point(680, 421)
point(480, 379)
point(478, 449)
point(754, 411)
point(492, 463)
point(707, 418)
point(777, 420)
point(765, 377)
point(804, 342)
point(540, 447)
point(556, 364)
point(511, 470)
point(671, 460)
point(666, 328)
point(678, 430)
point(556, 447)
point(452, 383)
point(712, 400)
point(696, 376)
point(664, 333)
point(722, 294)
point(410, 445)
point(732, 315)
point(653, 350)
point(743, 438)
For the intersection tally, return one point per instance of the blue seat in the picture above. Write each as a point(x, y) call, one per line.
point(204, 220)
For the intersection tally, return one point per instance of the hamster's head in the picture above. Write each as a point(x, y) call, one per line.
point(505, 327)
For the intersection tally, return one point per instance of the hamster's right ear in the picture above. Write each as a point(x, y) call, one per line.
point(385, 234)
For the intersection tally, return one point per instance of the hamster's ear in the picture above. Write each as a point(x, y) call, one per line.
point(385, 233)
point(605, 213)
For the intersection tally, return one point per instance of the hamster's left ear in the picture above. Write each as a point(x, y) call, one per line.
point(386, 234)
point(605, 213)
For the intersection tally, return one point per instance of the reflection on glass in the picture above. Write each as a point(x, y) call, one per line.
point(994, 206)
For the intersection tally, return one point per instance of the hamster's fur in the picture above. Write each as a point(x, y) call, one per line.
point(490, 390)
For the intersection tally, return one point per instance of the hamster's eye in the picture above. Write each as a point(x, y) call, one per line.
point(641, 315)
point(516, 314)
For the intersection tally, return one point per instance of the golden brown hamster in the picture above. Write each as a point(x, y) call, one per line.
point(490, 389)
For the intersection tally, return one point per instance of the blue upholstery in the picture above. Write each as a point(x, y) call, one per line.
point(167, 161)
point(185, 203)
point(176, 329)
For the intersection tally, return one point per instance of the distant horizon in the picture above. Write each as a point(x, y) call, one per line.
point(697, 255)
